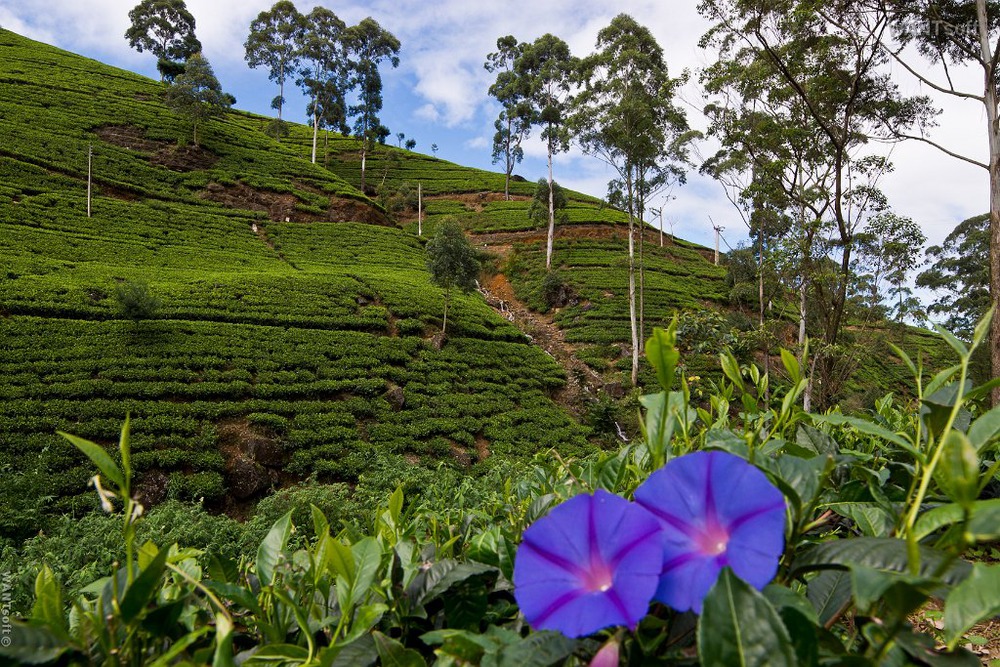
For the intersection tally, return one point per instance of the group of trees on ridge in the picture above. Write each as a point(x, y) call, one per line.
point(327, 58)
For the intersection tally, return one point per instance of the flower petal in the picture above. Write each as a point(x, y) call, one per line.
point(716, 510)
point(592, 562)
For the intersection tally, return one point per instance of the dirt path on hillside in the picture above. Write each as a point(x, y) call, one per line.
point(582, 382)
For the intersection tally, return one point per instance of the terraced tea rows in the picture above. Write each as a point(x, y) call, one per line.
point(279, 350)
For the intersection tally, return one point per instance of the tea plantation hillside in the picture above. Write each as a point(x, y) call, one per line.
point(279, 350)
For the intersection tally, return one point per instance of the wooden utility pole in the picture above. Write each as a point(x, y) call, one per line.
point(90, 170)
point(718, 231)
point(661, 226)
point(420, 210)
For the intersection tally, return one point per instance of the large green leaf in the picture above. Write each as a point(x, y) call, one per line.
point(815, 440)
point(870, 519)
point(48, 607)
point(277, 655)
point(974, 600)
point(739, 627)
point(830, 593)
point(30, 645)
point(440, 576)
point(661, 350)
point(985, 428)
point(538, 649)
point(870, 428)
point(880, 553)
point(270, 550)
point(144, 587)
point(394, 654)
point(99, 457)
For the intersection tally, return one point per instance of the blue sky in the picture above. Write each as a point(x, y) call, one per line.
point(439, 92)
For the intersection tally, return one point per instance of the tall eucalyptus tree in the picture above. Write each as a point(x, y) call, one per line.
point(625, 115)
point(546, 68)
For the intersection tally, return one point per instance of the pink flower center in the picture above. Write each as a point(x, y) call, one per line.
point(597, 578)
point(713, 540)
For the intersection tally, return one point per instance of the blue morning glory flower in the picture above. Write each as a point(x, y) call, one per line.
point(591, 563)
point(716, 510)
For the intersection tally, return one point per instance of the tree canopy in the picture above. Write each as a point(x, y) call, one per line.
point(369, 45)
point(452, 261)
point(274, 41)
point(196, 94)
point(165, 28)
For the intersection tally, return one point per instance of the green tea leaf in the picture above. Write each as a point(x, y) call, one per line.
point(394, 654)
point(144, 587)
point(985, 428)
point(870, 428)
point(738, 626)
point(957, 472)
point(829, 592)
point(270, 550)
point(974, 600)
point(48, 607)
point(31, 645)
point(663, 355)
point(99, 457)
point(792, 366)
point(881, 553)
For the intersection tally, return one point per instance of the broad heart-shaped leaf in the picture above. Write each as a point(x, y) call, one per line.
point(48, 608)
point(31, 645)
point(394, 654)
point(830, 593)
point(270, 550)
point(99, 457)
point(974, 600)
point(661, 350)
point(739, 627)
point(881, 553)
point(144, 587)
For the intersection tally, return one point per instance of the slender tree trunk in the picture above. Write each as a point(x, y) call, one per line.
point(993, 130)
point(420, 210)
point(510, 161)
point(803, 290)
point(281, 94)
point(642, 275)
point(552, 215)
point(315, 130)
point(631, 284)
point(760, 297)
point(90, 175)
point(447, 299)
point(363, 157)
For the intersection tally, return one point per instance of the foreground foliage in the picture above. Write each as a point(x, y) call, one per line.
point(879, 513)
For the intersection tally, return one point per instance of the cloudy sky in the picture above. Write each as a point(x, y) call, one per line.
point(438, 93)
